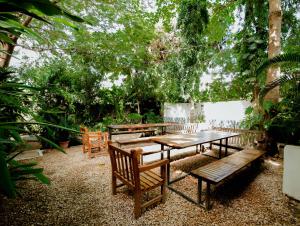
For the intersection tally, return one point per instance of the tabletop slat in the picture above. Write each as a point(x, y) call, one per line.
point(187, 140)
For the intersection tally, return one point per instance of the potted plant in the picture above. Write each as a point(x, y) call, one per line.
point(63, 136)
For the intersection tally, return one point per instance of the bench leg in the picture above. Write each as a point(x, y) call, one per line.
point(161, 156)
point(226, 146)
point(207, 196)
point(198, 148)
point(220, 149)
point(199, 190)
point(168, 166)
point(109, 133)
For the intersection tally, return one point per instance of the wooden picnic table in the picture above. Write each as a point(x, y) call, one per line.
point(137, 128)
point(180, 141)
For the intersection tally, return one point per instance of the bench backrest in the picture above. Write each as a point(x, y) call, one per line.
point(98, 139)
point(246, 138)
point(125, 164)
point(187, 128)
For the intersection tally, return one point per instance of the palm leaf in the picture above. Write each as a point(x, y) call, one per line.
point(51, 143)
point(283, 58)
point(278, 82)
point(7, 124)
point(6, 183)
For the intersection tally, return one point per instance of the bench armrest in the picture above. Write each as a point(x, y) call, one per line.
point(153, 165)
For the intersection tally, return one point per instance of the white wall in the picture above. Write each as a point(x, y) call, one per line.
point(217, 112)
point(225, 111)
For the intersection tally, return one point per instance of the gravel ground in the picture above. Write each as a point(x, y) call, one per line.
point(80, 194)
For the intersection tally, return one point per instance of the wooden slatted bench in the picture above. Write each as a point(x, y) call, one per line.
point(134, 141)
point(216, 172)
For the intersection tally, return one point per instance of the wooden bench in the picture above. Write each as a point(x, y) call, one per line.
point(134, 141)
point(220, 170)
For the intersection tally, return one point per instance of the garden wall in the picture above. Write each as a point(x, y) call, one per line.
point(228, 113)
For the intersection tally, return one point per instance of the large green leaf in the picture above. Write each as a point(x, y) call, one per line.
point(6, 183)
point(21, 171)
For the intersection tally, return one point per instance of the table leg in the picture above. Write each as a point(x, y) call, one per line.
point(199, 190)
point(207, 196)
point(163, 130)
point(220, 149)
point(162, 151)
point(168, 166)
point(226, 147)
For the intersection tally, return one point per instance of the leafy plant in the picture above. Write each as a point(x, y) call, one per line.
point(151, 117)
point(15, 98)
point(134, 118)
point(13, 107)
point(280, 120)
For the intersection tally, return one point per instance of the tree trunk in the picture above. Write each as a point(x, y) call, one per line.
point(275, 19)
point(255, 101)
point(138, 107)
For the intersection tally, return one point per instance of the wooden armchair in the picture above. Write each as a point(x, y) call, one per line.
point(139, 178)
point(93, 140)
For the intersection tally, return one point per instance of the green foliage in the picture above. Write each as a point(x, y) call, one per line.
point(14, 108)
point(280, 120)
point(42, 10)
point(192, 19)
point(134, 118)
point(253, 120)
point(151, 117)
point(53, 101)
point(15, 101)
point(283, 58)
point(285, 125)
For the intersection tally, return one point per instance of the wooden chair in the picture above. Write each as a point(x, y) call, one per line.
point(139, 178)
point(93, 140)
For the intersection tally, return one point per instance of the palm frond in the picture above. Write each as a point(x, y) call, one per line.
point(278, 82)
point(283, 58)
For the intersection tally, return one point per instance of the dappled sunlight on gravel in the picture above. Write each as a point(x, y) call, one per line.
point(80, 194)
